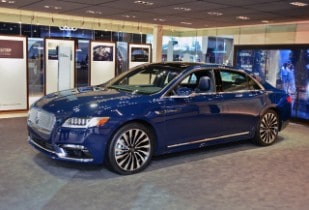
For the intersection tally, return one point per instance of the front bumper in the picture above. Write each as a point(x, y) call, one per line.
point(75, 145)
point(84, 145)
point(68, 152)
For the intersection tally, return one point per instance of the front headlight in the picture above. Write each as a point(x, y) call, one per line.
point(77, 122)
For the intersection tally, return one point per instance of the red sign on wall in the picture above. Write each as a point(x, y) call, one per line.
point(11, 49)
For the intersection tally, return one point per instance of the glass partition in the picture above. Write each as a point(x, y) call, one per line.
point(218, 50)
point(35, 68)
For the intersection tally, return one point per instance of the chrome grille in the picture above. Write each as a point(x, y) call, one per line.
point(41, 120)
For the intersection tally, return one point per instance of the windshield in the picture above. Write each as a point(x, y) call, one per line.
point(145, 80)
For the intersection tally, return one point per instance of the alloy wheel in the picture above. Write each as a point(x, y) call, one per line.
point(132, 149)
point(268, 128)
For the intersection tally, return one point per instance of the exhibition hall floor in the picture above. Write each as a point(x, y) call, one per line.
point(238, 176)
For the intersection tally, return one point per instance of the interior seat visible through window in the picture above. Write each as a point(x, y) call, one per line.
point(204, 85)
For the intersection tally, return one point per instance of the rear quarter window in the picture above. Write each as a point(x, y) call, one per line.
point(237, 81)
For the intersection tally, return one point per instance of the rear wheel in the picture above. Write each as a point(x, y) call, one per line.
point(267, 129)
point(131, 149)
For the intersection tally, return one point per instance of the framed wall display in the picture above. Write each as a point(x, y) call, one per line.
point(60, 65)
point(103, 62)
point(139, 54)
point(13, 73)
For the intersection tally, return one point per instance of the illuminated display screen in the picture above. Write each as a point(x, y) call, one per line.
point(285, 67)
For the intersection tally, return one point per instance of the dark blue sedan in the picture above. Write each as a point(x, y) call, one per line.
point(156, 109)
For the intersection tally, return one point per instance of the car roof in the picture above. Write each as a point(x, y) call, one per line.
point(184, 65)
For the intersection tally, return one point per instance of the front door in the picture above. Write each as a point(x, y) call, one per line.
point(192, 114)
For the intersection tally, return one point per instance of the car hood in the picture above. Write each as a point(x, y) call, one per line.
point(87, 101)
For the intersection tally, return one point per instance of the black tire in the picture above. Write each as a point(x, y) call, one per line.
point(267, 129)
point(131, 149)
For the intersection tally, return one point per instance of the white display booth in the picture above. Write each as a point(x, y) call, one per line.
point(102, 62)
point(13, 73)
point(139, 54)
point(60, 65)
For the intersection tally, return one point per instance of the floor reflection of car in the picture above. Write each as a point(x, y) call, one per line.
point(156, 109)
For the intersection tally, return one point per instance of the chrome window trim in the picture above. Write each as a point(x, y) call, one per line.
point(240, 91)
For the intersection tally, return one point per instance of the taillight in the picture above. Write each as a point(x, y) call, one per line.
point(289, 99)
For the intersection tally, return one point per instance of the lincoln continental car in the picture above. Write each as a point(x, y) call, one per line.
point(156, 109)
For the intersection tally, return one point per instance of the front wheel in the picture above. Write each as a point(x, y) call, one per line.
point(267, 129)
point(131, 149)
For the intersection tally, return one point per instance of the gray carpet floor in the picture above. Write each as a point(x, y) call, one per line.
point(238, 176)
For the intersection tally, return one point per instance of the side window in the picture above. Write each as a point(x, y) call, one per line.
point(189, 80)
point(199, 82)
point(253, 85)
point(154, 76)
point(234, 81)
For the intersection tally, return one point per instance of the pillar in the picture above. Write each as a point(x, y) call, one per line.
point(157, 43)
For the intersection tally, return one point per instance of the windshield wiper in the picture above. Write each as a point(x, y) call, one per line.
point(121, 87)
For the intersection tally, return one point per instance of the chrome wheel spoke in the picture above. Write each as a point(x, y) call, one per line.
point(128, 162)
point(121, 156)
point(141, 141)
point(126, 139)
point(120, 151)
point(136, 163)
point(123, 159)
point(140, 156)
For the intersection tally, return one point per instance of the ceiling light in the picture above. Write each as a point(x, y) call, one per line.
point(94, 12)
point(299, 4)
point(52, 7)
point(215, 13)
point(185, 9)
point(7, 2)
point(265, 21)
point(186, 23)
point(159, 19)
point(147, 3)
point(242, 18)
point(129, 16)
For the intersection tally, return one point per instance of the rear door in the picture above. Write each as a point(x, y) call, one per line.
point(242, 101)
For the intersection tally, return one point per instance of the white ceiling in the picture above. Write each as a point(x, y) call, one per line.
point(190, 13)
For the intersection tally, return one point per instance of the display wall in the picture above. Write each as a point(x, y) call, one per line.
point(13, 73)
point(60, 65)
point(284, 66)
point(102, 62)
